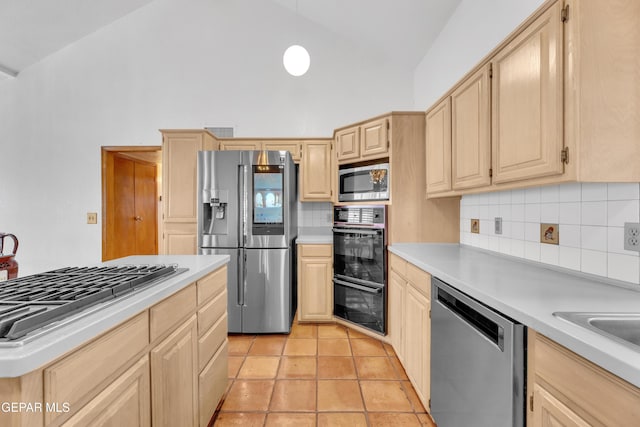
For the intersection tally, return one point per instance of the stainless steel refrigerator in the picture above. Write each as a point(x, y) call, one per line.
point(247, 210)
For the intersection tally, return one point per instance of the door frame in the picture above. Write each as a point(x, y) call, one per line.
point(107, 154)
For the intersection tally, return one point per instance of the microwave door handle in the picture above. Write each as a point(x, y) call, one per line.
point(358, 287)
point(356, 231)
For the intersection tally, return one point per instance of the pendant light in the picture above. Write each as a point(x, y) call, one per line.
point(296, 59)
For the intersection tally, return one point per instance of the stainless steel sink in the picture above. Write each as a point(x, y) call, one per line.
point(622, 327)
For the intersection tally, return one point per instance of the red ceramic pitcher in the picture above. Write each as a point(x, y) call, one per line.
point(8, 262)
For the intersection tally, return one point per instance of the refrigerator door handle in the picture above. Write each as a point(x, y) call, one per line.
point(242, 270)
point(242, 173)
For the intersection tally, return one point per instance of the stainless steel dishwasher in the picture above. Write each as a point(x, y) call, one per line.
point(478, 375)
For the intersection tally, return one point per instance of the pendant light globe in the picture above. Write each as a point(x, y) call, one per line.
point(296, 60)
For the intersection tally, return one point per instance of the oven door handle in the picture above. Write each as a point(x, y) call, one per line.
point(359, 287)
point(356, 231)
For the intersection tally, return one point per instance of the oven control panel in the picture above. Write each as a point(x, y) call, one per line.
point(372, 216)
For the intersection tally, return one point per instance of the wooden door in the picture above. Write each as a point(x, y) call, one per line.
point(174, 383)
point(316, 171)
point(550, 412)
point(374, 139)
point(471, 131)
point(348, 145)
point(135, 219)
point(527, 102)
point(438, 148)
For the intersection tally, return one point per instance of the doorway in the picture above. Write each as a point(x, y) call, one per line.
point(130, 200)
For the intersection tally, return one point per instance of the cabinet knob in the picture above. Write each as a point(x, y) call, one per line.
point(137, 218)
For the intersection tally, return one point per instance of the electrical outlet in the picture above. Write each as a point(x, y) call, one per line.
point(475, 226)
point(632, 236)
point(497, 225)
point(92, 217)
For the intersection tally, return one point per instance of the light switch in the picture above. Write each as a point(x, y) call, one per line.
point(92, 217)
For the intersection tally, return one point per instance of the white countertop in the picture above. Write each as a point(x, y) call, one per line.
point(315, 235)
point(530, 292)
point(84, 326)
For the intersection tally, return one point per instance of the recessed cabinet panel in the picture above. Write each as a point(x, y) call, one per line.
point(527, 102)
point(315, 287)
point(471, 131)
point(552, 413)
point(294, 147)
point(316, 171)
point(348, 144)
point(374, 138)
point(240, 145)
point(438, 149)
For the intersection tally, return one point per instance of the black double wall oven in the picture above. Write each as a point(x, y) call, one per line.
point(359, 263)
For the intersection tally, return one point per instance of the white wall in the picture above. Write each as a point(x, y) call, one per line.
point(474, 29)
point(171, 64)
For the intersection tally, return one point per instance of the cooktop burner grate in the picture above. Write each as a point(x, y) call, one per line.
point(28, 303)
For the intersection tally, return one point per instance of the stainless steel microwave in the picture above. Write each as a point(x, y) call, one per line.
point(370, 182)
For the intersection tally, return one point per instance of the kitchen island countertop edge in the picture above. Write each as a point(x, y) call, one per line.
point(84, 326)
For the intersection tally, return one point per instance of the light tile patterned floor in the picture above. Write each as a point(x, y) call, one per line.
point(319, 375)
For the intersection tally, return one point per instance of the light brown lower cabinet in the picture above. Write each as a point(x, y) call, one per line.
point(410, 323)
point(315, 290)
point(566, 390)
point(174, 380)
point(125, 402)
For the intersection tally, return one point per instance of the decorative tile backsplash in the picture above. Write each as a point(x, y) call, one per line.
point(590, 216)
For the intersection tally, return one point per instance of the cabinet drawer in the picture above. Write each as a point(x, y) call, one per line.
point(169, 312)
point(212, 284)
point(74, 377)
point(211, 312)
point(212, 384)
point(398, 265)
point(318, 251)
point(125, 402)
point(211, 341)
point(420, 279)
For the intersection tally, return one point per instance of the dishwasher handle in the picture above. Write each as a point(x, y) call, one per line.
point(487, 327)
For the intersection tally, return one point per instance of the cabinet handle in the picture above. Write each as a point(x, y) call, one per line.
point(137, 218)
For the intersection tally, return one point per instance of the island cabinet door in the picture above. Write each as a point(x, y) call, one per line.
point(174, 384)
point(124, 403)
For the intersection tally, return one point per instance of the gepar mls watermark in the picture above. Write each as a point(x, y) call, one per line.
point(27, 407)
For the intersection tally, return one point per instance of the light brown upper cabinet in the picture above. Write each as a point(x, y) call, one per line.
point(562, 89)
point(438, 149)
point(316, 171)
point(471, 131)
point(292, 146)
point(527, 99)
point(367, 141)
point(240, 144)
point(179, 181)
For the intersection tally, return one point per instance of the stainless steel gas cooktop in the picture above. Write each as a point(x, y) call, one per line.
point(31, 302)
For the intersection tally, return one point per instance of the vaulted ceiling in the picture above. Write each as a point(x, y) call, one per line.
point(403, 30)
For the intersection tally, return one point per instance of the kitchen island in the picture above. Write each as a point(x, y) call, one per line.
point(157, 355)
